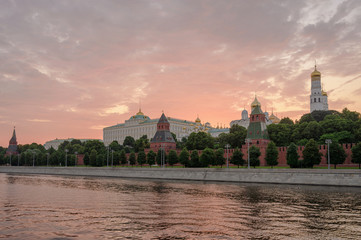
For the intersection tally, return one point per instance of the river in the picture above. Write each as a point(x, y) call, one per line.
point(57, 207)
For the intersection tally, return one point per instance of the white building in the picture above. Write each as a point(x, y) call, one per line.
point(138, 125)
point(244, 122)
point(318, 98)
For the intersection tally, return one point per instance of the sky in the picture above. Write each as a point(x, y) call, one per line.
point(70, 68)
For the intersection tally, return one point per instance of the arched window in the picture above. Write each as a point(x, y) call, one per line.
point(314, 100)
point(319, 100)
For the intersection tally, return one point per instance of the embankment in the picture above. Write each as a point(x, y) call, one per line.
point(332, 177)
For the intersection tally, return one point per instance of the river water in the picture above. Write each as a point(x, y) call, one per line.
point(56, 207)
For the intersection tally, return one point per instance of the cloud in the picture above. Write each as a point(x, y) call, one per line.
point(39, 120)
point(117, 109)
point(90, 63)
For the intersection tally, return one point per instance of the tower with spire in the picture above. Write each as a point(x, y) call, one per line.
point(163, 137)
point(13, 145)
point(318, 97)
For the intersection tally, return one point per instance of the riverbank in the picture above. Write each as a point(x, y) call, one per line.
point(332, 177)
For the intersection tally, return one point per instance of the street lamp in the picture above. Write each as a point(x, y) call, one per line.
point(248, 140)
point(328, 141)
point(66, 157)
point(227, 146)
point(18, 160)
point(10, 159)
point(76, 158)
point(33, 152)
point(112, 157)
point(108, 156)
point(47, 159)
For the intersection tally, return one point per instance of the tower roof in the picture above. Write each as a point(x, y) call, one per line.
point(257, 110)
point(315, 73)
point(163, 119)
point(13, 138)
point(255, 102)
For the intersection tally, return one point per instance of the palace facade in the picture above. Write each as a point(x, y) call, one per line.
point(139, 124)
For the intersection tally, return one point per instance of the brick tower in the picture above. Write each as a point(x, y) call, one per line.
point(163, 138)
point(257, 129)
point(13, 145)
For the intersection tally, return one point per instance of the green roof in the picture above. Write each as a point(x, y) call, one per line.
point(257, 110)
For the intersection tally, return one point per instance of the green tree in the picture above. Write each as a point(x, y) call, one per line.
point(337, 154)
point(129, 141)
point(141, 158)
point(237, 136)
point(96, 145)
point(206, 158)
point(286, 120)
point(172, 157)
point(123, 157)
point(254, 154)
point(313, 130)
point(194, 161)
point(306, 118)
point(351, 115)
point(199, 141)
point(292, 155)
point(280, 133)
point(311, 154)
point(151, 158)
point(219, 157)
point(184, 157)
point(115, 146)
point(237, 158)
point(272, 154)
point(100, 159)
point(141, 143)
point(356, 154)
point(86, 159)
point(132, 159)
point(116, 158)
point(93, 158)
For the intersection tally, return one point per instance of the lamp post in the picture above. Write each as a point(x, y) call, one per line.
point(47, 159)
point(248, 141)
point(227, 146)
point(33, 151)
point(328, 141)
point(76, 158)
point(112, 156)
point(108, 156)
point(10, 159)
point(66, 157)
point(18, 160)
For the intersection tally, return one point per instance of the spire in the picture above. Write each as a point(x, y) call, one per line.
point(13, 138)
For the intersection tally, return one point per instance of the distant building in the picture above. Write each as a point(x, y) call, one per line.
point(13, 145)
point(56, 142)
point(257, 129)
point(163, 137)
point(138, 125)
point(244, 122)
point(318, 97)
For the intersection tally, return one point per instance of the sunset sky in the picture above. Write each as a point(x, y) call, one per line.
point(70, 68)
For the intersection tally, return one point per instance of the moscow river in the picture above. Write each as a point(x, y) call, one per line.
point(56, 207)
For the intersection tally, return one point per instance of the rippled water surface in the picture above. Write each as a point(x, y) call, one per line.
point(53, 207)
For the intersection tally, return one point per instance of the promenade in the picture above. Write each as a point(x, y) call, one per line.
point(332, 177)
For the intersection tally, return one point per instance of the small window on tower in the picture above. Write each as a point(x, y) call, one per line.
point(319, 100)
point(314, 100)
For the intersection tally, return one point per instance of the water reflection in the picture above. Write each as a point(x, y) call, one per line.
point(48, 207)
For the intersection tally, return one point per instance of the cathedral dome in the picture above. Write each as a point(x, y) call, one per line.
point(198, 120)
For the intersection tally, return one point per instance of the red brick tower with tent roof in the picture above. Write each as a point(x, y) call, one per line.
point(163, 137)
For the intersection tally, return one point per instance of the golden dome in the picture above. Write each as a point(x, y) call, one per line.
point(255, 103)
point(315, 73)
point(274, 118)
point(324, 93)
point(198, 120)
point(140, 112)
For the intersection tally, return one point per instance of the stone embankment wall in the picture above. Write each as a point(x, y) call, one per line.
point(332, 177)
